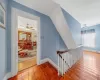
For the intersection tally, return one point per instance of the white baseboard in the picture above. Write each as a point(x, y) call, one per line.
point(50, 61)
point(7, 76)
point(92, 50)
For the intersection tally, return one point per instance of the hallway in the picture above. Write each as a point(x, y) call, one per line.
point(88, 68)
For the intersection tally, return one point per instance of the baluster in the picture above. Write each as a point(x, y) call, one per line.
point(65, 63)
point(77, 55)
point(68, 60)
point(71, 59)
point(64, 59)
point(62, 64)
point(64, 67)
point(58, 64)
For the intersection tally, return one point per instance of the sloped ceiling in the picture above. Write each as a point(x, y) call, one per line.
point(42, 6)
point(85, 11)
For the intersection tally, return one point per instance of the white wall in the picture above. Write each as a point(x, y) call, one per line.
point(62, 27)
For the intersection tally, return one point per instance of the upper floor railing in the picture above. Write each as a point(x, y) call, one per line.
point(67, 58)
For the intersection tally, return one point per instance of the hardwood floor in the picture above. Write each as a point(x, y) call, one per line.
point(27, 63)
point(42, 72)
point(87, 68)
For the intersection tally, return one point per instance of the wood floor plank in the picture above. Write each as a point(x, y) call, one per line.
point(87, 68)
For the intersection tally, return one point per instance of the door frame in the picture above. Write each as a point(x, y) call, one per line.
point(14, 38)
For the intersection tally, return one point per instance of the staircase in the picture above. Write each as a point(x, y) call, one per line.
point(67, 58)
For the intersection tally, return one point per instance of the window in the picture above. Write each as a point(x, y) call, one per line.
point(88, 39)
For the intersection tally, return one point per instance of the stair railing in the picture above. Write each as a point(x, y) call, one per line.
point(67, 58)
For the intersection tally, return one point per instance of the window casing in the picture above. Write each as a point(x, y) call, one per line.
point(89, 39)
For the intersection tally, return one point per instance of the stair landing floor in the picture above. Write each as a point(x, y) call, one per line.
point(87, 68)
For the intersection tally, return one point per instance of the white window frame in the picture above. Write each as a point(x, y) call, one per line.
point(87, 39)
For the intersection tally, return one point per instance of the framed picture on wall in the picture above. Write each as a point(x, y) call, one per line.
point(2, 16)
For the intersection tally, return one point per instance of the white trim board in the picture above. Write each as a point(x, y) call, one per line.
point(50, 61)
point(92, 50)
point(14, 38)
point(7, 76)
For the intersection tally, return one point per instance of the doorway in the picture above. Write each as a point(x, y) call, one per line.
point(27, 43)
point(14, 38)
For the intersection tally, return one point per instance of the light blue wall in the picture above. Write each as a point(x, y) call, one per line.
point(50, 38)
point(97, 31)
point(49, 35)
point(2, 47)
point(2, 54)
point(8, 37)
point(74, 26)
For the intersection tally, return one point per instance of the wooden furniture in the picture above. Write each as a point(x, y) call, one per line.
point(22, 54)
point(24, 40)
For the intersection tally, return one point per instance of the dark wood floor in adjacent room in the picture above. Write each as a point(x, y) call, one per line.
point(88, 68)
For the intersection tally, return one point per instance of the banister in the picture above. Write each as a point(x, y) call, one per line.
point(62, 52)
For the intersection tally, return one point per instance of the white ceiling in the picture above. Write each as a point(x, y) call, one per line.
point(42, 6)
point(22, 23)
point(85, 11)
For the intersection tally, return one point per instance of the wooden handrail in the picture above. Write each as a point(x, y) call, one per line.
point(62, 52)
